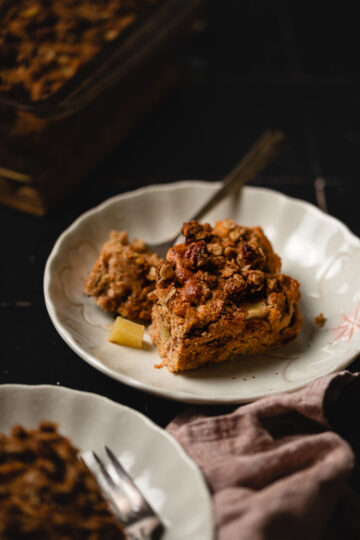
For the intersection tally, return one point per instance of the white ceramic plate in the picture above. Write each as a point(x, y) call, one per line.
point(315, 248)
point(158, 464)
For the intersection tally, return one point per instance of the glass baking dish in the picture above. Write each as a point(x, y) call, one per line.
point(48, 146)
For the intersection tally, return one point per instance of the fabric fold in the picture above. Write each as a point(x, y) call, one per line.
point(279, 467)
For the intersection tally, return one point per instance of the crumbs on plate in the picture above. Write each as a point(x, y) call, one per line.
point(320, 320)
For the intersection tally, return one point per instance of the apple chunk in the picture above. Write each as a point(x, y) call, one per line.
point(124, 332)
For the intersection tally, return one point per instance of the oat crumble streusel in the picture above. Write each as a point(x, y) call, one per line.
point(47, 493)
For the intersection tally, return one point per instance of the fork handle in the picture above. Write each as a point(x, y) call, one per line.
point(266, 149)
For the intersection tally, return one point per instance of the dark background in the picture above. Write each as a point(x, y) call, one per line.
point(251, 66)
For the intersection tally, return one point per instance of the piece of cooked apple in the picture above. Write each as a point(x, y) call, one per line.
point(124, 332)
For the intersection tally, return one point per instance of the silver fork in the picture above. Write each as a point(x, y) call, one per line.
point(126, 501)
point(266, 149)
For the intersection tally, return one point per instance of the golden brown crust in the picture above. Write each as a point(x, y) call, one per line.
point(47, 493)
point(123, 276)
point(220, 294)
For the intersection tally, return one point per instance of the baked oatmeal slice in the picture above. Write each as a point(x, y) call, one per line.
point(219, 295)
point(47, 493)
point(123, 276)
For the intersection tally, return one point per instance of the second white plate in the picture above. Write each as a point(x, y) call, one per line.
point(156, 462)
point(315, 248)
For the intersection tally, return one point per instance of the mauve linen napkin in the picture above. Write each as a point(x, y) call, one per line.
point(282, 467)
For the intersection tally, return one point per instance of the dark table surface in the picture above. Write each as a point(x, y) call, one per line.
point(249, 68)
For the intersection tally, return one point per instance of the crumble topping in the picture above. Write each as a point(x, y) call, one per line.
point(222, 266)
point(43, 44)
point(47, 493)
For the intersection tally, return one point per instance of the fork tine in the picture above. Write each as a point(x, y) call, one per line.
point(118, 501)
point(127, 484)
point(126, 501)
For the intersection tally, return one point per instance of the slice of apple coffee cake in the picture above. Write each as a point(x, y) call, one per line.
point(220, 294)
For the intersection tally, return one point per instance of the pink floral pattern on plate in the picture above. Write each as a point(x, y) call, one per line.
point(350, 324)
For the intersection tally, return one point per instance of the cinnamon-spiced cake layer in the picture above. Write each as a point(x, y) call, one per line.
point(220, 294)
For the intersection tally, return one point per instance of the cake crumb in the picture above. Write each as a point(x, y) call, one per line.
point(159, 366)
point(320, 320)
